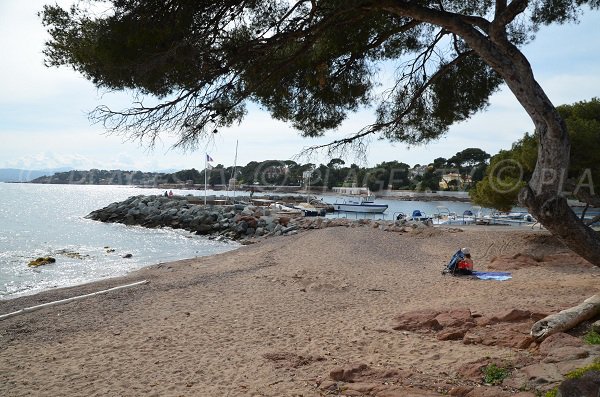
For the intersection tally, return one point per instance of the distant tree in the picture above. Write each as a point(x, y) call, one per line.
point(508, 169)
point(335, 163)
point(468, 158)
point(312, 62)
point(430, 180)
point(440, 162)
point(506, 175)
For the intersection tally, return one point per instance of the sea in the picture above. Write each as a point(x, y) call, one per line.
point(49, 220)
point(38, 220)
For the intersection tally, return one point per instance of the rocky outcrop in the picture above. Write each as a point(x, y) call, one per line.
point(41, 261)
point(237, 222)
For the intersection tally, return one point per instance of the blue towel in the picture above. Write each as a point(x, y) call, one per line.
point(498, 276)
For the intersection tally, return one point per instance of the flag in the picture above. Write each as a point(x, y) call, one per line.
point(208, 158)
point(209, 167)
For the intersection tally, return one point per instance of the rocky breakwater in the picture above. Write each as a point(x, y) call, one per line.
point(236, 222)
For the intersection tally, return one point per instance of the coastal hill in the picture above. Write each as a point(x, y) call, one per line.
point(442, 174)
point(23, 175)
point(103, 177)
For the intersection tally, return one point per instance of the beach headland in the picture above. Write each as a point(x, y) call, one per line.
point(353, 311)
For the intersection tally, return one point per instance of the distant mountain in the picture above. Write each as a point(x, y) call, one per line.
point(19, 175)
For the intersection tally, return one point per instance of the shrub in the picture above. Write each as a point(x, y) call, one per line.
point(592, 338)
point(494, 375)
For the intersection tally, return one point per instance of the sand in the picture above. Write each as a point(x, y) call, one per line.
point(275, 318)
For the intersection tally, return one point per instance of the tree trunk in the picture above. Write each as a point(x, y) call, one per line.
point(566, 319)
point(544, 194)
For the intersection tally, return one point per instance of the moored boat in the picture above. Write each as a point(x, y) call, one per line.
point(364, 204)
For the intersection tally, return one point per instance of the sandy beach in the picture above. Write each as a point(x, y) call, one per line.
point(284, 316)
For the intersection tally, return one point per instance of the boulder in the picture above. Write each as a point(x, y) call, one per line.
point(41, 261)
point(417, 320)
point(586, 386)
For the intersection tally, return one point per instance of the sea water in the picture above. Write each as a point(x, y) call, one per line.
point(49, 220)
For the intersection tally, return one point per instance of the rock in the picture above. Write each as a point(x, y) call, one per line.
point(128, 256)
point(41, 261)
point(562, 347)
point(559, 340)
point(241, 227)
point(596, 327)
point(204, 229)
point(452, 333)
point(455, 318)
point(586, 386)
point(499, 335)
point(566, 353)
point(417, 320)
point(540, 374)
point(510, 316)
point(289, 229)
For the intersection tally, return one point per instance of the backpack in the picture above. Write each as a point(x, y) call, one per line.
point(452, 265)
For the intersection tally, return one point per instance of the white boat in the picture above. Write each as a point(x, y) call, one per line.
point(310, 210)
point(364, 204)
point(417, 216)
point(283, 209)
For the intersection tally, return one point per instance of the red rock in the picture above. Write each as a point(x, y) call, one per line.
point(417, 320)
point(497, 336)
point(566, 353)
point(454, 318)
point(509, 316)
point(452, 333)
point(473, 370)
point(559, 340)
point(539, 374)
point(250, 220)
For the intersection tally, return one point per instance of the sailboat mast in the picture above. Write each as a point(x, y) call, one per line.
point(234, 176)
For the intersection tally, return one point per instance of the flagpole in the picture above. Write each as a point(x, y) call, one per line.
point(205, 173)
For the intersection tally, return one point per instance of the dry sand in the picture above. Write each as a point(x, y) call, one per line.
point(274, 318)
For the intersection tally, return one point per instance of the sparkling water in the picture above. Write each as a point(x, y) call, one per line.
point(48, 220)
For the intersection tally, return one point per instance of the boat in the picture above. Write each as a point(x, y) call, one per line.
point(364, 204)
point(284, 209)
point(417, 216)
point(310, 210)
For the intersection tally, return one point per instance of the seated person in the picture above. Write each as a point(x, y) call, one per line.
point(465, 265)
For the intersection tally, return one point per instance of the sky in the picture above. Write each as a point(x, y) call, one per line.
point(44, 123)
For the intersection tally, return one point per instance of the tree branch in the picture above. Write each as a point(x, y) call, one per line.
point(374, 128)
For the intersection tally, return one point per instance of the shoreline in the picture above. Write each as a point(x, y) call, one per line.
point(282, 316)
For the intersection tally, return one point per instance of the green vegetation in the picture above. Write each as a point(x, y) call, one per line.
point(509, 170)
point(551, 393)
point(579, 372)
point(494, 375)
point(592, 338)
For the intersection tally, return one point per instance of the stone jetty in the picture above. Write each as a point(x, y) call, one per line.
point(235, 222)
